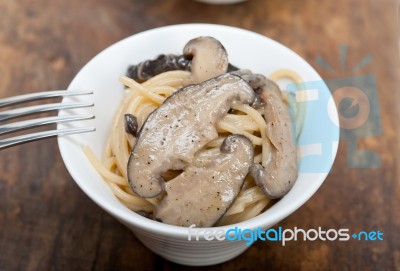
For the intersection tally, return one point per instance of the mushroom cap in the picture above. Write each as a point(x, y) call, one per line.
point(204, 192)
point(181, 126)
point(278, 175)
point(209, 59)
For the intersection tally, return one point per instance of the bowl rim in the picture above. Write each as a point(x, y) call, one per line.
point(139, 222)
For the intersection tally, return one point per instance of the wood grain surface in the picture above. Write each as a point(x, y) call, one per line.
point(48, 223)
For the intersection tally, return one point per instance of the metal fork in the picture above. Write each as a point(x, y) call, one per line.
point(32, 123)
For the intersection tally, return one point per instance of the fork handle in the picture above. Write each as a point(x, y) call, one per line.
point(40, 95)
point(18, 140)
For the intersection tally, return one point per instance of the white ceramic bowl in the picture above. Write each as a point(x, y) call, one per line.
point(246, 49)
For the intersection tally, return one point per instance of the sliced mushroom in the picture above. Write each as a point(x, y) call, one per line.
point(207, 54)
point(279, 174)
point(209, 59)
point(181, 126)
point(203, 192)
point(163, 63)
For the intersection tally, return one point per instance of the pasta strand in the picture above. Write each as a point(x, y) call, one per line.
point(140, 100)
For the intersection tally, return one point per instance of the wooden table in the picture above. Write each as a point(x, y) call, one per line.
point(46, 221)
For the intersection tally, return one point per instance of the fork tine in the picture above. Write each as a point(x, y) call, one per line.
point(6, 143)
point(26, 124)
point(13, 113)
point(40, 95)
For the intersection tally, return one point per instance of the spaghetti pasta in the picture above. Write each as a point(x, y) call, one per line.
point(140, 100)
point(300, 108)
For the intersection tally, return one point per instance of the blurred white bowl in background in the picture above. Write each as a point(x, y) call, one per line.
point(220, 2)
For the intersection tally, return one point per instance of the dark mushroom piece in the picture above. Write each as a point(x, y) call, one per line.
point(204, 192)
point(207, 54)
point(182, 125)
point(163, 63)
point(278, 176)
point(131, 124)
